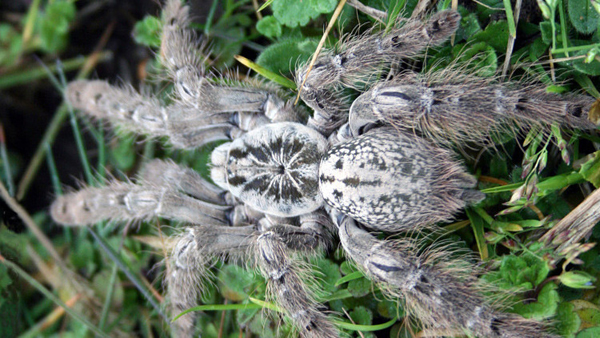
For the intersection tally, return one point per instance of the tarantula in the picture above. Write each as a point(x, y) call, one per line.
point(285, 186)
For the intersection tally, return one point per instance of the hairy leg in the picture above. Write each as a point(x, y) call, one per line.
point(287, 285)
point(177, 193)
point(443, 293)
point(453, 106)
point(359, 58)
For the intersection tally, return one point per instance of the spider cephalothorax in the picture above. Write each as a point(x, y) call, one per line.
point(283, 186)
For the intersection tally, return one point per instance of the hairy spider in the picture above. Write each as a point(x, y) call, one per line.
point(286, 186)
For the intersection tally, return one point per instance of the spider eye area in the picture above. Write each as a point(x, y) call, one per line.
point(274, 168)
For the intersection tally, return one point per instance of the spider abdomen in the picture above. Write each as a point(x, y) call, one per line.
point(393, 181)
point(274, 168)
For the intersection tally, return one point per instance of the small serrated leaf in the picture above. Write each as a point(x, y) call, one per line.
point(567, 321)
point(293, 13)
point(592, 332)
point(323, 6)
point(359, 287)
point(590, 170)
point(147, 31)
point(361, 315)
point(545, 307)
point(269, 27)
point(282, 56)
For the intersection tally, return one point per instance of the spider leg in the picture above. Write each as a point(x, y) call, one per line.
point(442, 292)
point(188, 264)
point(205, 109)
point(184, 58)
point(361, 59)
point(186, 126)
point(284, 273)
point(268, 244)
point(454, 106)
point(190, 200)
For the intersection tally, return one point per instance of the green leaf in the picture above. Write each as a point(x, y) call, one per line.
point(537, 49)
point(54, 25)
point(469, 26)
point(361, 315)
point(359, 287)
point(328, 276)
point(480, 57)
point(390, 309)
point(236, 282)
point(592, 332)
point(281, 57)
point(592, 68)
point(11, 44)
point(147, 31)
point(495, 35)
point(546, 30)
point(269, 27)
point(568, 321)
point(83, 257)
point(583, 16)
point(219, 307)
point(323, 6)
point(365, 328)
point(545, 307)
point(589, 316)
point(590, 170)
point(122, 153)
point(525, 271)
point(347, 268)
point(293, 12)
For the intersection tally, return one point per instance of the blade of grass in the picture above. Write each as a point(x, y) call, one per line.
point(265, 5)
point(477, 225)
point(30, 20)
point(32, 226)
point(266, 73)
point(37, 73)
point(219, 307)
point(550, 183)
point(586, 83)
point(510, 18)
point(210, 17)
point(39, 287)
point(574, 48)
point(267, 305)
point(5, 162)
point(349, 277)
point(56, 185)
point(366, 328)
point(563, 26)
point(512, 37)
point(50, 319)
point(339, 294)
point(128, 272)
point(61, 115)
point(109, 295)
